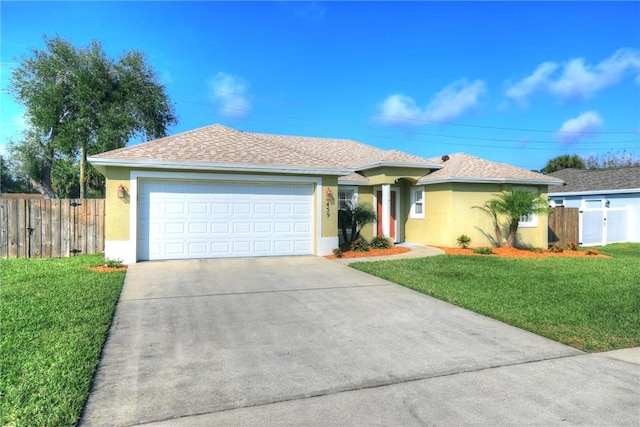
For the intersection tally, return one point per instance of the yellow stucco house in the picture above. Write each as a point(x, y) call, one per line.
point(220, 192)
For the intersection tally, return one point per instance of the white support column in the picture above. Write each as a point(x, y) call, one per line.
point(386, 210)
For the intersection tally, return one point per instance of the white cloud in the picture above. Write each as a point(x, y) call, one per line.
point(231, 92)
point(573, 130)
point(451, 102)
point(576, 80)
point(536, 81)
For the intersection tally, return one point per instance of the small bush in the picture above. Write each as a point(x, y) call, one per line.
point(593, 252)
point(360, 245)
point(337, 252)
point(113, 263)
point(483, 251)
point(556, 248)
point(463, 241)
point(380, 242)
point(538, 250)
point(572, 246)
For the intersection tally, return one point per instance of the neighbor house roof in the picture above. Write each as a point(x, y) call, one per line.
point(590, 181)
point(461, 167)
point(220, 147)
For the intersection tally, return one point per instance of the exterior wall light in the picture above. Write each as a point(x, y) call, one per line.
point(121, 191)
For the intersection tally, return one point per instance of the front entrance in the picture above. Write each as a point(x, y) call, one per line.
point(392, 216)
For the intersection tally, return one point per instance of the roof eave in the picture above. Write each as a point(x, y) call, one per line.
point(479, 180)
point(595, 192)
point(353, 182)
point(301, 170)
point(398, 164)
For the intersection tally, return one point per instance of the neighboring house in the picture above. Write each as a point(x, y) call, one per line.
point(608, 199)
point(220, 192)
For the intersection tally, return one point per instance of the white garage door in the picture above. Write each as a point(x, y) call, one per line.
point(192, 219)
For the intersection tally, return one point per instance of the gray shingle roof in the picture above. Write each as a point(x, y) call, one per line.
point(582, 180)
point(461, 167)
point(219, 145)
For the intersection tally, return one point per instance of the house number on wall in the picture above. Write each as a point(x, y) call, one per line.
point(328, 210)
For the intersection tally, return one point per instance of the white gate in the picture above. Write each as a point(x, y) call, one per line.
point(602, 226)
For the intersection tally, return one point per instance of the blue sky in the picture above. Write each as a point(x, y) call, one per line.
point(512, 82)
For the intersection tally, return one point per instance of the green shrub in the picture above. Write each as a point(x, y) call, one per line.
point(337, 252)
point(380, 242)
point(538, 250)
point(556, 248)
point(463, 241)
point(360, 245)
point(483, 251)
point(113, 263)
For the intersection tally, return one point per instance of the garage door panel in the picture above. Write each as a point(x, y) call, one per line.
point(242, 208)
point(220, 208)
point(302, 227)
point(222, 248)
point(175, 248)
point(263, 209)
point(216, 219)
point(198, 248)
point(198, 208)
point(198, 228)
point(241, 247)
point(220, 228)
point(263, 227)
point(283, 209)
point(174, 228)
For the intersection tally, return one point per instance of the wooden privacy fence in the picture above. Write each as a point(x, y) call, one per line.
point(563, 226)
point(32, 228)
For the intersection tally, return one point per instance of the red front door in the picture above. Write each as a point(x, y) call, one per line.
point(392, 216)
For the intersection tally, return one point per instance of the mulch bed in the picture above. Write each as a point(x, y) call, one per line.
point(511, 252)
point(372, 252)
point(503, 252)
point(103, 269)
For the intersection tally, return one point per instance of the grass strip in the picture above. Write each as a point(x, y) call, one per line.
point(56, 315)
point(591, 303)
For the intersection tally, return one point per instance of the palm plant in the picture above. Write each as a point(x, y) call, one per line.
point(514, 205)
point(354, 217)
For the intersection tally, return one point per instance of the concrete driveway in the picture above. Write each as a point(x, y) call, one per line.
point(307, 341)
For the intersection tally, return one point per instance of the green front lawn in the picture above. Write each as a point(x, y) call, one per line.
point(591, 303)
point(55, 317)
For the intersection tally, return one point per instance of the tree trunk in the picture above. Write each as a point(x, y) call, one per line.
point(47, 192)
point(44, 186)
point(513, 232)
point(83, 160)
point(498, 231)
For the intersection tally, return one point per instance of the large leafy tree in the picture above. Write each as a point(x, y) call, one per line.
point(81, 102)
point(8, 182)
point(564, 161)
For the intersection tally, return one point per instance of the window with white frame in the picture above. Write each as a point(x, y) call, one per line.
point(417, 202)
point(528, 220)
point(347, 197)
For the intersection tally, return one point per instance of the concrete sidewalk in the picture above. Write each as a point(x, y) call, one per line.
point(308, 341)
point(417, 251)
